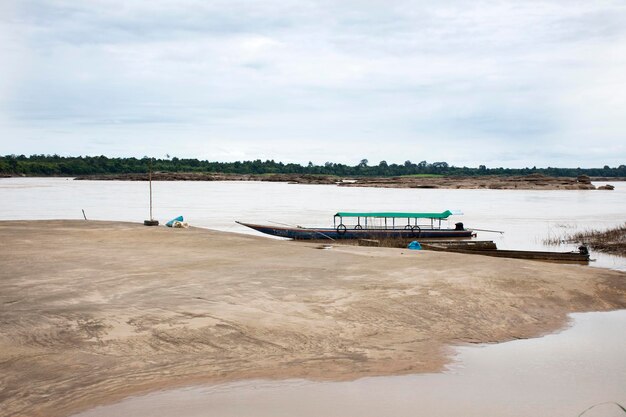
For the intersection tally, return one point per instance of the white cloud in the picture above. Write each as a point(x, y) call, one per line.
point(465, 82)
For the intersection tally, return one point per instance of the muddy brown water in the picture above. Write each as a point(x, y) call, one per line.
point(527, 217)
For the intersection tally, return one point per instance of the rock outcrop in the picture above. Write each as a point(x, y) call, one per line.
point(492, 182)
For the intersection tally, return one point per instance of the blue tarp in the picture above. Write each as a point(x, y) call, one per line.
point(171, 222)
point(415, 245)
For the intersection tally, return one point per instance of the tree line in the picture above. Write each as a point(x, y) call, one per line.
point(55, 165)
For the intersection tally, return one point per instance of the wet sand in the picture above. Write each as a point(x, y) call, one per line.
point(558, 375)
point(92, 312)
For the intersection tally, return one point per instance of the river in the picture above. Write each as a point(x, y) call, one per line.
point(526, 217)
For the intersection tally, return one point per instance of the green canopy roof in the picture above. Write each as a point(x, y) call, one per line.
point(396, 215)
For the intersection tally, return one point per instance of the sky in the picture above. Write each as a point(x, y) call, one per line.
point(500, 83)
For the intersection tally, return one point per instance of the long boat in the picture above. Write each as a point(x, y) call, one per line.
point(582, 256)
point(372, 225)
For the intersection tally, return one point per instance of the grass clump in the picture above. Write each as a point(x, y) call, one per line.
point(610, 241)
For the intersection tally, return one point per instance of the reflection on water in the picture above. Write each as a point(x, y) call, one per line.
point(526, 217)
point(556, 375)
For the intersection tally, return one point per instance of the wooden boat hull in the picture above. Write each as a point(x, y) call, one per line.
point(302, 233)
point(575, 257)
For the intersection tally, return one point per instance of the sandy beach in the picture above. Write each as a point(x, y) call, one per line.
point(92, 312)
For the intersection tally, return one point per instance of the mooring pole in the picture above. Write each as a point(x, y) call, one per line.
point(150, 222)
point(150, 181)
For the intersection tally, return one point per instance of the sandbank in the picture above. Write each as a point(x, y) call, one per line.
point(91, 312)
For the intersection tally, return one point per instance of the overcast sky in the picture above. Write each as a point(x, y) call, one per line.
point(501, 83)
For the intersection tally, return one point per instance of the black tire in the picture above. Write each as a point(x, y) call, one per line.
point(408, 227)
point(150, 222)
point(358, 227)
point(416, 231)
point(341, 229)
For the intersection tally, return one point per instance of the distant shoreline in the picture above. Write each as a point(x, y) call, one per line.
point(521, 182)
point(491, 182)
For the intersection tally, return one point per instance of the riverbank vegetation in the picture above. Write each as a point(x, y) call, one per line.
point(609, 241)
point(55, 165)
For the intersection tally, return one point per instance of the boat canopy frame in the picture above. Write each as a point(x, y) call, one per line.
point(390, 215)
point(397, 215)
